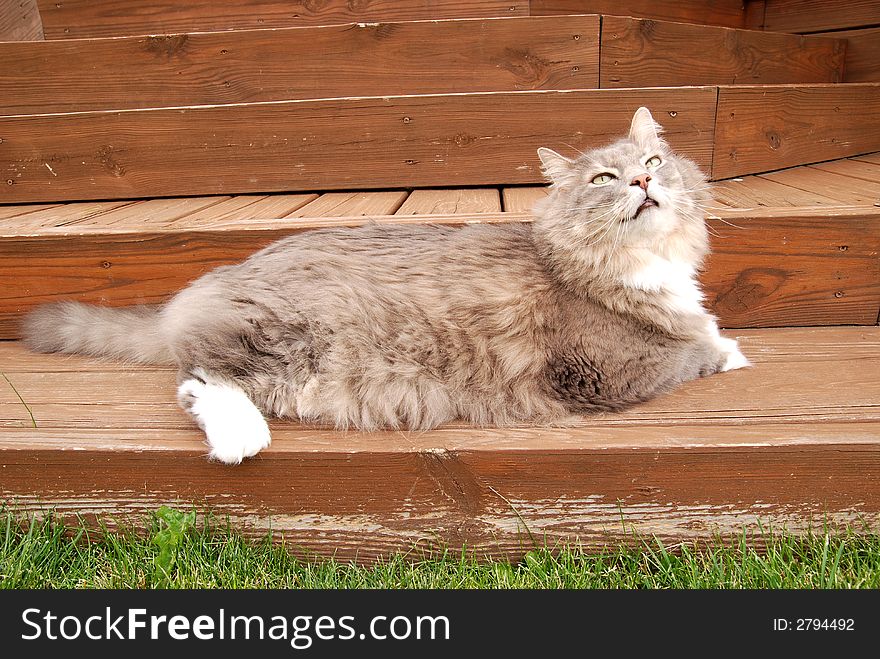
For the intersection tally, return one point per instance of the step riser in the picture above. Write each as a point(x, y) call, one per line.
point(498, 503)
point(786, 270)
point(645, 53)
point(110, 18)
point(301, 63)
point(456, 140)
point(759, 129)
point(554, 52)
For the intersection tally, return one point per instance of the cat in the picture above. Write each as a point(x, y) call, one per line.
point(593, 306)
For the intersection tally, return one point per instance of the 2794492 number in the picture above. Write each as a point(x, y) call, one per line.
point(814, 624)
point(837, 624)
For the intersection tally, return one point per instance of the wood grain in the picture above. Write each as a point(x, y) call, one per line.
point(818, 15)
point(112, 18)
point(648, 53)
point(862, 54)
point(471, 200)
point(781, 443)
point(758, 192)
point(376, 59)
point(728, 13)
point(831, 184)
point(20, 21)
point(855, 170)
point(392, 142)
point(522, 199)
point(773, 267)
point(764, 128)
point(870, 157)
point(352, 204)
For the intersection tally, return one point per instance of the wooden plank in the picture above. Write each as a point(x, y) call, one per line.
point(789, 268)
point(647, 53)
point(451, 202)
point(18, 210)
point(685, 467)
point(71, 392)
point(818, 15)
point(521, 200)
point(728, 13)
point(246, 208)
point(407, 141)
point(852, 169)
point(763, 128)
point(758, 192)
point(772, 267)
point(352, 204)
point(870, 157)
point(112, 18)
point(65, 215)
point(862, 54)
point(20, 21)
point(377, 59)
point(827, 183)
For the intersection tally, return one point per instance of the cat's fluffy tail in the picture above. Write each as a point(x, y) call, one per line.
point(130, 334)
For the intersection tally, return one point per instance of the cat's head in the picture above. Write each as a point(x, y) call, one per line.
point(633, 193)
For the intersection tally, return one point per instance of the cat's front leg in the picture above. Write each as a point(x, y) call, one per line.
point(731, 356)
point(234, 427)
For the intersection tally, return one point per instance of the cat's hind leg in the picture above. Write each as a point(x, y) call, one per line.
point(234, 427)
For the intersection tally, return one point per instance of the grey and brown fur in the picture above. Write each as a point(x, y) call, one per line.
point(592, 307)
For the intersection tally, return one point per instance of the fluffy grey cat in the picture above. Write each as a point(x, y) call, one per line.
point(594, 306)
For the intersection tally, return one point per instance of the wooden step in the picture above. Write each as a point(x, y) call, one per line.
point(790, 443)
point(649, 53)
point(443, 140)
point(113, 18)
point(387, 59)
point(375, 59)
point(791, 248)
point(818, 15)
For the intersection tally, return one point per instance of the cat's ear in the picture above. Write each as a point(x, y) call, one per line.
point(643, 130)
point(557, 168)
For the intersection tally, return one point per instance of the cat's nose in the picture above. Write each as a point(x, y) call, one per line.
point(642, 181)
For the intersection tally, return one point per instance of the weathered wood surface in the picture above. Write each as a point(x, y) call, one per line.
point(20, 21)
point(771, 267)
point(112, 18)
point(647, 53)
point(405, 141)
point(793, 440)
point(451, 202)
point(862, 54)
point(760, 128)
point(728, 13)
point(376, 59)
point(818, 15)
point(522, 199)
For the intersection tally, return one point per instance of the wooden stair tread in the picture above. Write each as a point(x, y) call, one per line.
point(801, 375)
point(804, 259)
point(845, 185)
point(397, 58)
point(786, 441)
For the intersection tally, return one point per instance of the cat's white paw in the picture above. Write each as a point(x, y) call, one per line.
point(734, 361)
point(233, 425)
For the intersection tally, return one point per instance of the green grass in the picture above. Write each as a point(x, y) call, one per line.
point(178, 553)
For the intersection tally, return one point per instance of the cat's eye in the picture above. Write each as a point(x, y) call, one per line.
point(603, 179)
point(653, 161)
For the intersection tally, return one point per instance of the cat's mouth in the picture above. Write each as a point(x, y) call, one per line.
point(648, 203)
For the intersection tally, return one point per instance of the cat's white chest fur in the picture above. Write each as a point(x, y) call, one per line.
point(676, 285)
point(675, 281)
